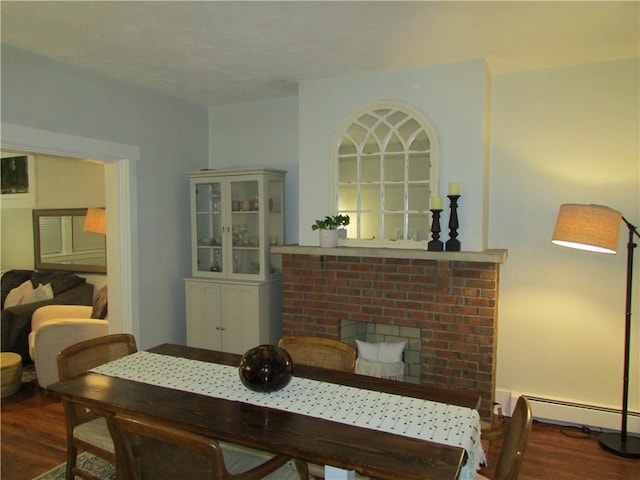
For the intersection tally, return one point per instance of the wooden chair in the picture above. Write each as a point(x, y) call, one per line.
point(320, 352)
point(515, 433)
point(152, 451)
point(87, 430)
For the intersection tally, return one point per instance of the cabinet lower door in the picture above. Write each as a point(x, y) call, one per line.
point(240, 317)
point(203, 314)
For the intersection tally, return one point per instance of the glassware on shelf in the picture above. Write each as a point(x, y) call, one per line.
point(254, 267)
point(236, 260)
point(216, 266)
point(242, 229)
point(235, 235)
point(216, 202)
point(235, 201)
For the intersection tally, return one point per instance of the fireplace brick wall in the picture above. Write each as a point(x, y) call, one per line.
point(454, 303)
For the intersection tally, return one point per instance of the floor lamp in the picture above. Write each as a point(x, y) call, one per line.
point(597, 228)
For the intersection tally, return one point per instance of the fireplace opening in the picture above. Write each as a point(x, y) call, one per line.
point(371, 332)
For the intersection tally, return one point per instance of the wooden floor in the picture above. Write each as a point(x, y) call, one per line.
point(32, 441)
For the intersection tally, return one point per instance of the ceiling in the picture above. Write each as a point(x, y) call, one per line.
point(214, 53)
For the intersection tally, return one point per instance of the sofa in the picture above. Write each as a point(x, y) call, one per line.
point(15, 322)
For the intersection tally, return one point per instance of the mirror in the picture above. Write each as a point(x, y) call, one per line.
point(60, 243)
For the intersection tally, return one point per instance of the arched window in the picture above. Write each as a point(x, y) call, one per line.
point(385, 168)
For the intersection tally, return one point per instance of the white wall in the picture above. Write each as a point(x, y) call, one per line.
point(260, 134)
point(453, 97)
point(557, 136)
point(566, 135)
point(172, 139)
point(68, 183)
point(16, 237)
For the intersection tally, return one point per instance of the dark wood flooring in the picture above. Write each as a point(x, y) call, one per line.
point(32, 442)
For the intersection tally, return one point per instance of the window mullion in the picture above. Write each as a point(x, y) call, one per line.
point(383, 200)
point(359, 191)
point(406, 194)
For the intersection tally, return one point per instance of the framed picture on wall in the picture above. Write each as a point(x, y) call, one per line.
point(17, 178)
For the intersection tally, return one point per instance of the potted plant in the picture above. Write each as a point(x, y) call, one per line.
point(328, 227)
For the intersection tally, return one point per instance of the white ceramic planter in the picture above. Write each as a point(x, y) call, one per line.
point(328, 238)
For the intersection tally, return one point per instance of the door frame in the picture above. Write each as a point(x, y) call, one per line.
point(120, 200)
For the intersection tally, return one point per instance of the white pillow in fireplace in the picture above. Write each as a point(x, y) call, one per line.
point(381, 351)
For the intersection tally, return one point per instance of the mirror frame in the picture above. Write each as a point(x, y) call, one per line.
point(60, 212)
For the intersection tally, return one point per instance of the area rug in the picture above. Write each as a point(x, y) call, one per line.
point(235, 461)
point(99, 467)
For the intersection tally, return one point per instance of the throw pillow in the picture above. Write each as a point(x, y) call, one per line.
point(100, 304)
point(367, 351)
point(42, 292)
point(60, 281)
point(381, 351)
point(12, 279)
point(15, 295)
point(391, 352)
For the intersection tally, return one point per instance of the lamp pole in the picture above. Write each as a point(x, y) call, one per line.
point(622, 444)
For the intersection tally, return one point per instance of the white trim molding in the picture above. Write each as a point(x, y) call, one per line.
point(570, 412)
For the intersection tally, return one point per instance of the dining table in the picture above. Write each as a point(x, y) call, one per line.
point(379, 428)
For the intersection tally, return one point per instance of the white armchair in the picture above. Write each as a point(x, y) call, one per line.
point(55, 327)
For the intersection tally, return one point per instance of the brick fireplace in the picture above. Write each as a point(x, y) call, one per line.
point(450, 298)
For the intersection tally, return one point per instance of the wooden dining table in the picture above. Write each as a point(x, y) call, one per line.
point(370, 452)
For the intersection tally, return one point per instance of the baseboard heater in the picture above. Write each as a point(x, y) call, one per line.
point(575, 413)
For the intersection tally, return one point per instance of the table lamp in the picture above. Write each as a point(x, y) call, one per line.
point(596, 228)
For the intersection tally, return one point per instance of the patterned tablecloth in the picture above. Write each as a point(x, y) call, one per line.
point(412, 417)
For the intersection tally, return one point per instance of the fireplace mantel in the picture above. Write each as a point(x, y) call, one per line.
point(486, 256)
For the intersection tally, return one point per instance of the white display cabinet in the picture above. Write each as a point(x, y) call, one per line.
point(236, 215)
point(233, 299)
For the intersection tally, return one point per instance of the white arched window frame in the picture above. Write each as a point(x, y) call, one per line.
point(385, 167)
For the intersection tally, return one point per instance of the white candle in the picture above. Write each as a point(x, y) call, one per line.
point(454, 188)
point(436, 203)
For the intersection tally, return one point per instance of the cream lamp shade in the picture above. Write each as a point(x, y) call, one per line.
point(96, 221)
point(587, 227)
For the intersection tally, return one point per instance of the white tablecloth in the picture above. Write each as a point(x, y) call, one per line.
point(412, 417)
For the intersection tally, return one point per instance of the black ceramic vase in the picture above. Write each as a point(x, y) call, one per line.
point(265, 368)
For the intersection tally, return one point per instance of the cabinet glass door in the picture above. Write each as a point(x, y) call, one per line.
point(245, 227)
point(208, 202)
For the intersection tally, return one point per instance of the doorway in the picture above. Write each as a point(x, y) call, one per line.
point(120, 161)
